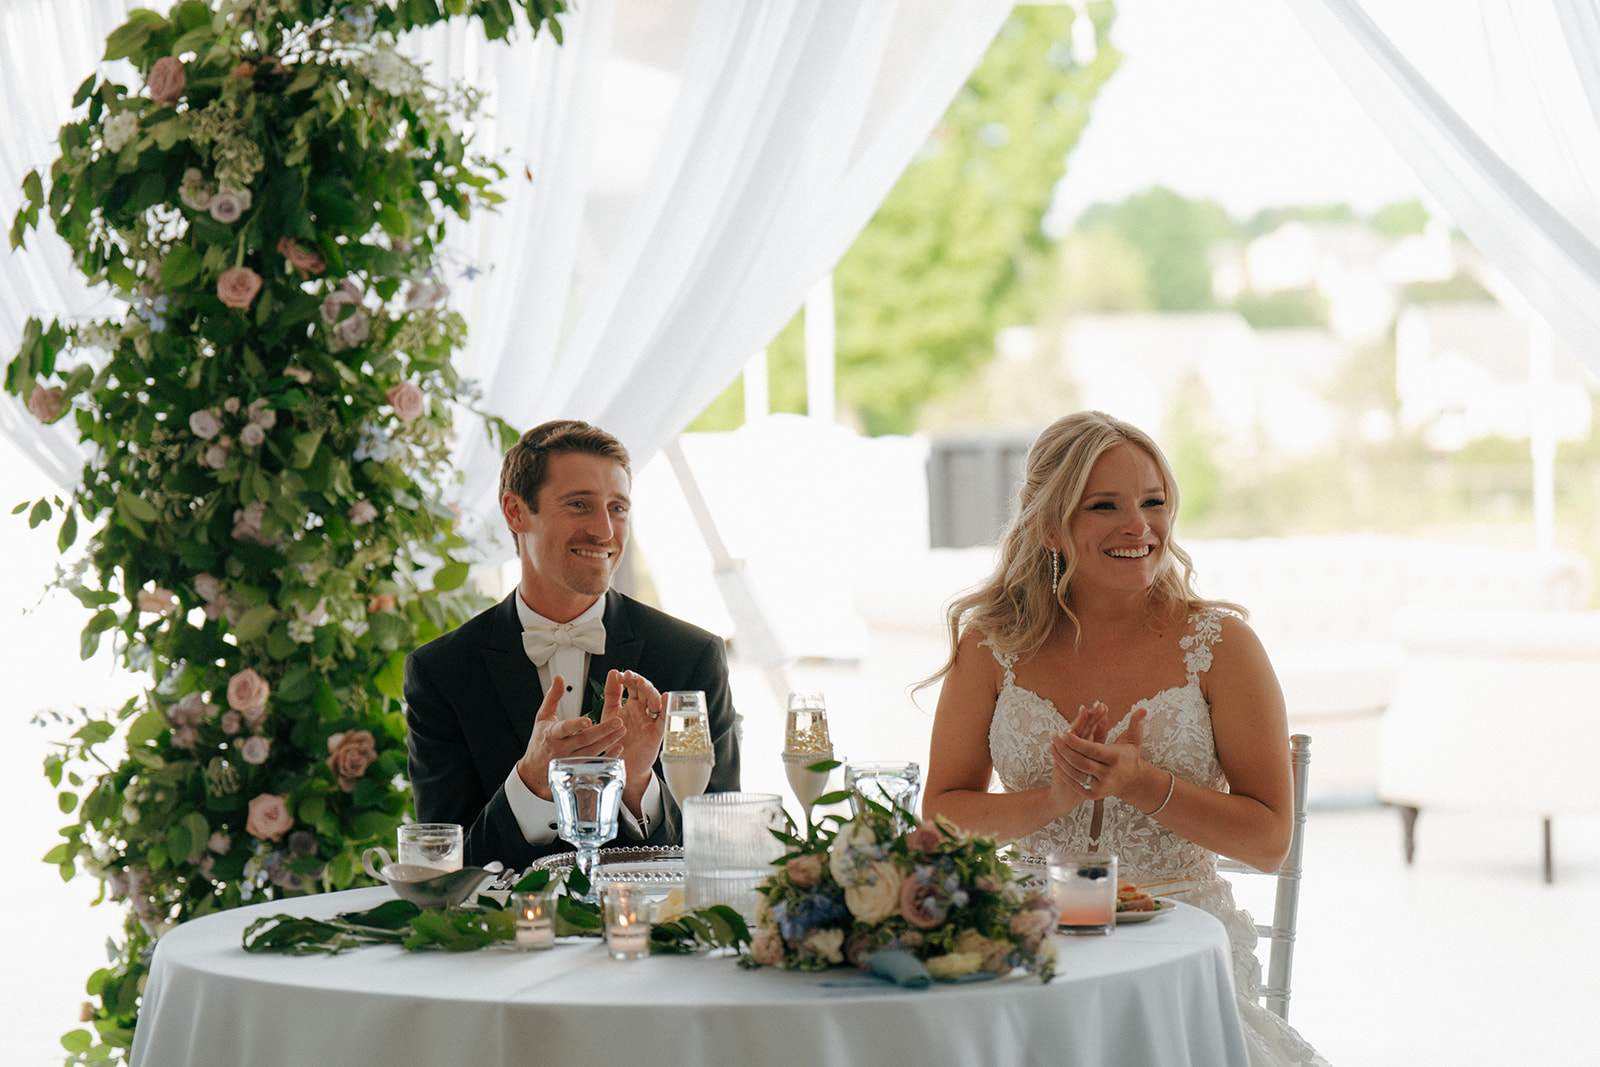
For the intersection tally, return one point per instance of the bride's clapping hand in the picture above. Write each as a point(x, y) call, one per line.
point(1093, 768)
point(1066, 779)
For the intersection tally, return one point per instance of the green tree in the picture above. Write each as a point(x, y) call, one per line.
point(956, 250)
point(1175, 234)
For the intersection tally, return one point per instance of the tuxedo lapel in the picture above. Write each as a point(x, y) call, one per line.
point(516, 679)
point(623, 646)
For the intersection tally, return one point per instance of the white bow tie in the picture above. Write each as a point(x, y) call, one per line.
point(541, 639)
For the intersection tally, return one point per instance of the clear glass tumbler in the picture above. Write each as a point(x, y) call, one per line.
point(728, 848)
point(1084, 888)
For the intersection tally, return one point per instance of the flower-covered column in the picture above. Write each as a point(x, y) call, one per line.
point(265, 507)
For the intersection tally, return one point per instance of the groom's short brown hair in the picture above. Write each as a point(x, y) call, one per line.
point(527, 463)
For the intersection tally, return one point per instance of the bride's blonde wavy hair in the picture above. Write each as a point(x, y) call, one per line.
point(1015, 607)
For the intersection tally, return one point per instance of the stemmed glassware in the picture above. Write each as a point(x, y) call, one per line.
point(805, 743)
point(588, 795)
point(894, 785)
point(686, 752)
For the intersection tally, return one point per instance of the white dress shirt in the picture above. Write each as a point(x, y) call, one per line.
point(536, 817)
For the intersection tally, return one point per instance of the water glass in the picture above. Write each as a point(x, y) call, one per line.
point(895, 785)
point(588, 795)
point(627, 920)
point(728, 848)
point(1084, 888)
point(431, 844)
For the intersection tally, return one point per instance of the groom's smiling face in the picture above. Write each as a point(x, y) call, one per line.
point(571, 545)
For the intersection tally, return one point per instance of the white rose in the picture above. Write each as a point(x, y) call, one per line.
point(876, 893)
point(252, 436)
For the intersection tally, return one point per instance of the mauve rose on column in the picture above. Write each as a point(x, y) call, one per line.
point(238, 286)
point(362, 512)
point(204, 425)
point(301, 259)
point(248, 691)
point(407, 400)
point(269, 817)
point(166, 81)
point(352, 753)
point(47, 405)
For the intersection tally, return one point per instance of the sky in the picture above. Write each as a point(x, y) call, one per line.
point(1229, 100)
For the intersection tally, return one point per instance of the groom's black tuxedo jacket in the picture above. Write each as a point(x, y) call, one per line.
point(472, 694)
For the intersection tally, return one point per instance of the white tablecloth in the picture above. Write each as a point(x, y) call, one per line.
point(1157, 993)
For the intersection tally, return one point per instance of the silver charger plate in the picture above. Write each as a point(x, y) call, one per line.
point(660, 865)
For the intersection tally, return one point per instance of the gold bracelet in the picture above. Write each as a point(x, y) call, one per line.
point(1172, 783)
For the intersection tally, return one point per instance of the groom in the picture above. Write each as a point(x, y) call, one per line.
point(564, 666)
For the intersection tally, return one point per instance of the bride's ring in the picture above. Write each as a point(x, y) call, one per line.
point(1087, 779)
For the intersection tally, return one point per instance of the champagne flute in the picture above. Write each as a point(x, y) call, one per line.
point(805, 742)
point(686, 753)
point(588, 795)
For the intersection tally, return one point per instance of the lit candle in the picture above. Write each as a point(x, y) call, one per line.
point(534, 927)
point(627, 921)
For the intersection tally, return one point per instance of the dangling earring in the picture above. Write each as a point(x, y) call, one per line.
point(1055, 571)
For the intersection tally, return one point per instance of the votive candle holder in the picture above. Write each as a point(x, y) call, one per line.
point(627, 921)
point(535, 920)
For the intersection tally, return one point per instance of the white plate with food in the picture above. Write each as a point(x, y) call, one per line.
point(1156, 907)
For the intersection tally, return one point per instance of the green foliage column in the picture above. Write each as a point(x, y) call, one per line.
point(269, 432)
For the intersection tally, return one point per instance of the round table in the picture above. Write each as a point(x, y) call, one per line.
point(1159, 992)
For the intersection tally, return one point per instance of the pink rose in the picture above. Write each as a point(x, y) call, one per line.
point(425, 294)
point(766, 947)
point(252, 436)
point(347, 293)
point(243, 70)
point(193, 192)
point(299, 374)
point(924, 838)
point(300, 258)
point(269, 817)
point(166, 81)
point(248, 691)
point(805, 871)
point(204, 425)
point(916, 898)
point(231, 405)
point(352, 752)
point(215, 457)
point(207, 586)
point(362, 512)
point(238, 286)
point(261, 415)
point(190, 709)
point(247, 521)
point(407, 400)
point(382, 602)
point(157, 601)
point(254, 749)
point(232, 722)
point(184, 736)
point(47, 405)
point(352, 330)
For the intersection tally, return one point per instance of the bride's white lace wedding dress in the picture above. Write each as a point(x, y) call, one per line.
point(1177, 738)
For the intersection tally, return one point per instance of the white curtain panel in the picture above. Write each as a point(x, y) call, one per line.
point(47, 48)
point(729, 155)
point(1496, 106)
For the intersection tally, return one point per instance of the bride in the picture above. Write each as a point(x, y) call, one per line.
point(1177, 749)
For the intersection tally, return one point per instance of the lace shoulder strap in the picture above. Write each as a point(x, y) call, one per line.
point(1205, 631)
point(1007, 661)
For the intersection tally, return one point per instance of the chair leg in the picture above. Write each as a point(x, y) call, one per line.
point(1549, 858)
point(1408, 824)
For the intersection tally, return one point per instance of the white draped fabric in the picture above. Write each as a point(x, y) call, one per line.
point(695, 166)
point(1494, 104)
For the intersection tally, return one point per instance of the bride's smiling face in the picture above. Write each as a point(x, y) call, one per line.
point(1120, 526)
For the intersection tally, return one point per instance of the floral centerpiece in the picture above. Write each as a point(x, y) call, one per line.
point(944, 897)
point(268, 431)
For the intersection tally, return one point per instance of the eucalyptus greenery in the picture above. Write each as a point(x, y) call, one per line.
point(268, 429)
point(485, 923)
